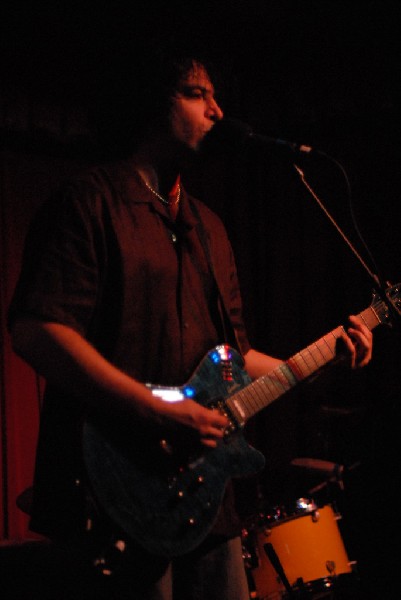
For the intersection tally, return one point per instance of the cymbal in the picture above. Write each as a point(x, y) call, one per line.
point(324, 467)
point(340, 411)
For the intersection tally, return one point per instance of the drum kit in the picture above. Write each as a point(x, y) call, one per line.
point(295, 550)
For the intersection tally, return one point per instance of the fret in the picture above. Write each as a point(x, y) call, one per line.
point(262, 396)
point(266, 395)
point(252, 401)
point(370, 317)
point(316, 354)
point(328, 350)
point(309, 360)
point(274, 386)
point(242, 402)
point(321, 349)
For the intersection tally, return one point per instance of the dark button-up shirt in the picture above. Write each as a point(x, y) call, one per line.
point(152, 295)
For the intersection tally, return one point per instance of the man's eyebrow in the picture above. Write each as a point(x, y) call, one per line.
point(193, 86)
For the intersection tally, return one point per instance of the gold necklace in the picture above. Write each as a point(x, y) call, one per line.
point(159, 197)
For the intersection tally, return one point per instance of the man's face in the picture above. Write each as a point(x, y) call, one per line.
point(194, 109)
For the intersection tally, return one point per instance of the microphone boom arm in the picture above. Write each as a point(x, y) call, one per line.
point(338, 228)
point(383, 290)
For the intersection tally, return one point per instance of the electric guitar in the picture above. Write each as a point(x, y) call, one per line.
point(165, 495)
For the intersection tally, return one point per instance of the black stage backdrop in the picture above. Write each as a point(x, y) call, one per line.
point(324, 74)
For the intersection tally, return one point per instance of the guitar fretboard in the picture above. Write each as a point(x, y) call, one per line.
point(264, 390)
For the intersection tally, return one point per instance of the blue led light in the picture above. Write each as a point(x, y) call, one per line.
point(215, 356)
point(189, 392)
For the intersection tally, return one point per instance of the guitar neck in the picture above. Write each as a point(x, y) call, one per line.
point(263, 391)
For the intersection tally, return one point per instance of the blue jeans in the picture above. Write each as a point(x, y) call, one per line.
point(215, 574)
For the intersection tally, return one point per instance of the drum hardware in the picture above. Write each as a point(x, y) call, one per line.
point(275, 561)
point(283, 513)
point(250, 562)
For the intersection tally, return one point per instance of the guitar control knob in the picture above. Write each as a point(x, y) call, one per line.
point(197, 483)
point(166, 447)
point(171, 481)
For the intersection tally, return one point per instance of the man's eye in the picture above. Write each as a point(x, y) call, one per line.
point(195, 92)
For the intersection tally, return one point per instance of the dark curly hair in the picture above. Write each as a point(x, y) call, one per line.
point(136, 92)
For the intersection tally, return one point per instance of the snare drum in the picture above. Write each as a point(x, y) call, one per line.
point(309, 549)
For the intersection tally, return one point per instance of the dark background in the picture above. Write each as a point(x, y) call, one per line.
point(322, 73)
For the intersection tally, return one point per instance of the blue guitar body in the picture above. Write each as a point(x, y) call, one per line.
point(166, 495)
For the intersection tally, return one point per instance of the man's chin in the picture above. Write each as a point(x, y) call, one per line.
point(187, 155)
point(207, 144)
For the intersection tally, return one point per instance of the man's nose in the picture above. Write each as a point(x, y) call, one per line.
point(214, 111)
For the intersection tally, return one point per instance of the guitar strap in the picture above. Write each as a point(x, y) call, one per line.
point(229, 333)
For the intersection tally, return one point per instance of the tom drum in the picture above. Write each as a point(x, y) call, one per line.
point(308, 548)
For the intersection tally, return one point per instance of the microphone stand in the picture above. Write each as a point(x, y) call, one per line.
point(381, 288)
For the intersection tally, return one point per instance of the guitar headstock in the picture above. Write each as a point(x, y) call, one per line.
point(387, 305)
point(393, 295)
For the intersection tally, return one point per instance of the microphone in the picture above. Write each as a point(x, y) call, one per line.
point(241, 136)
